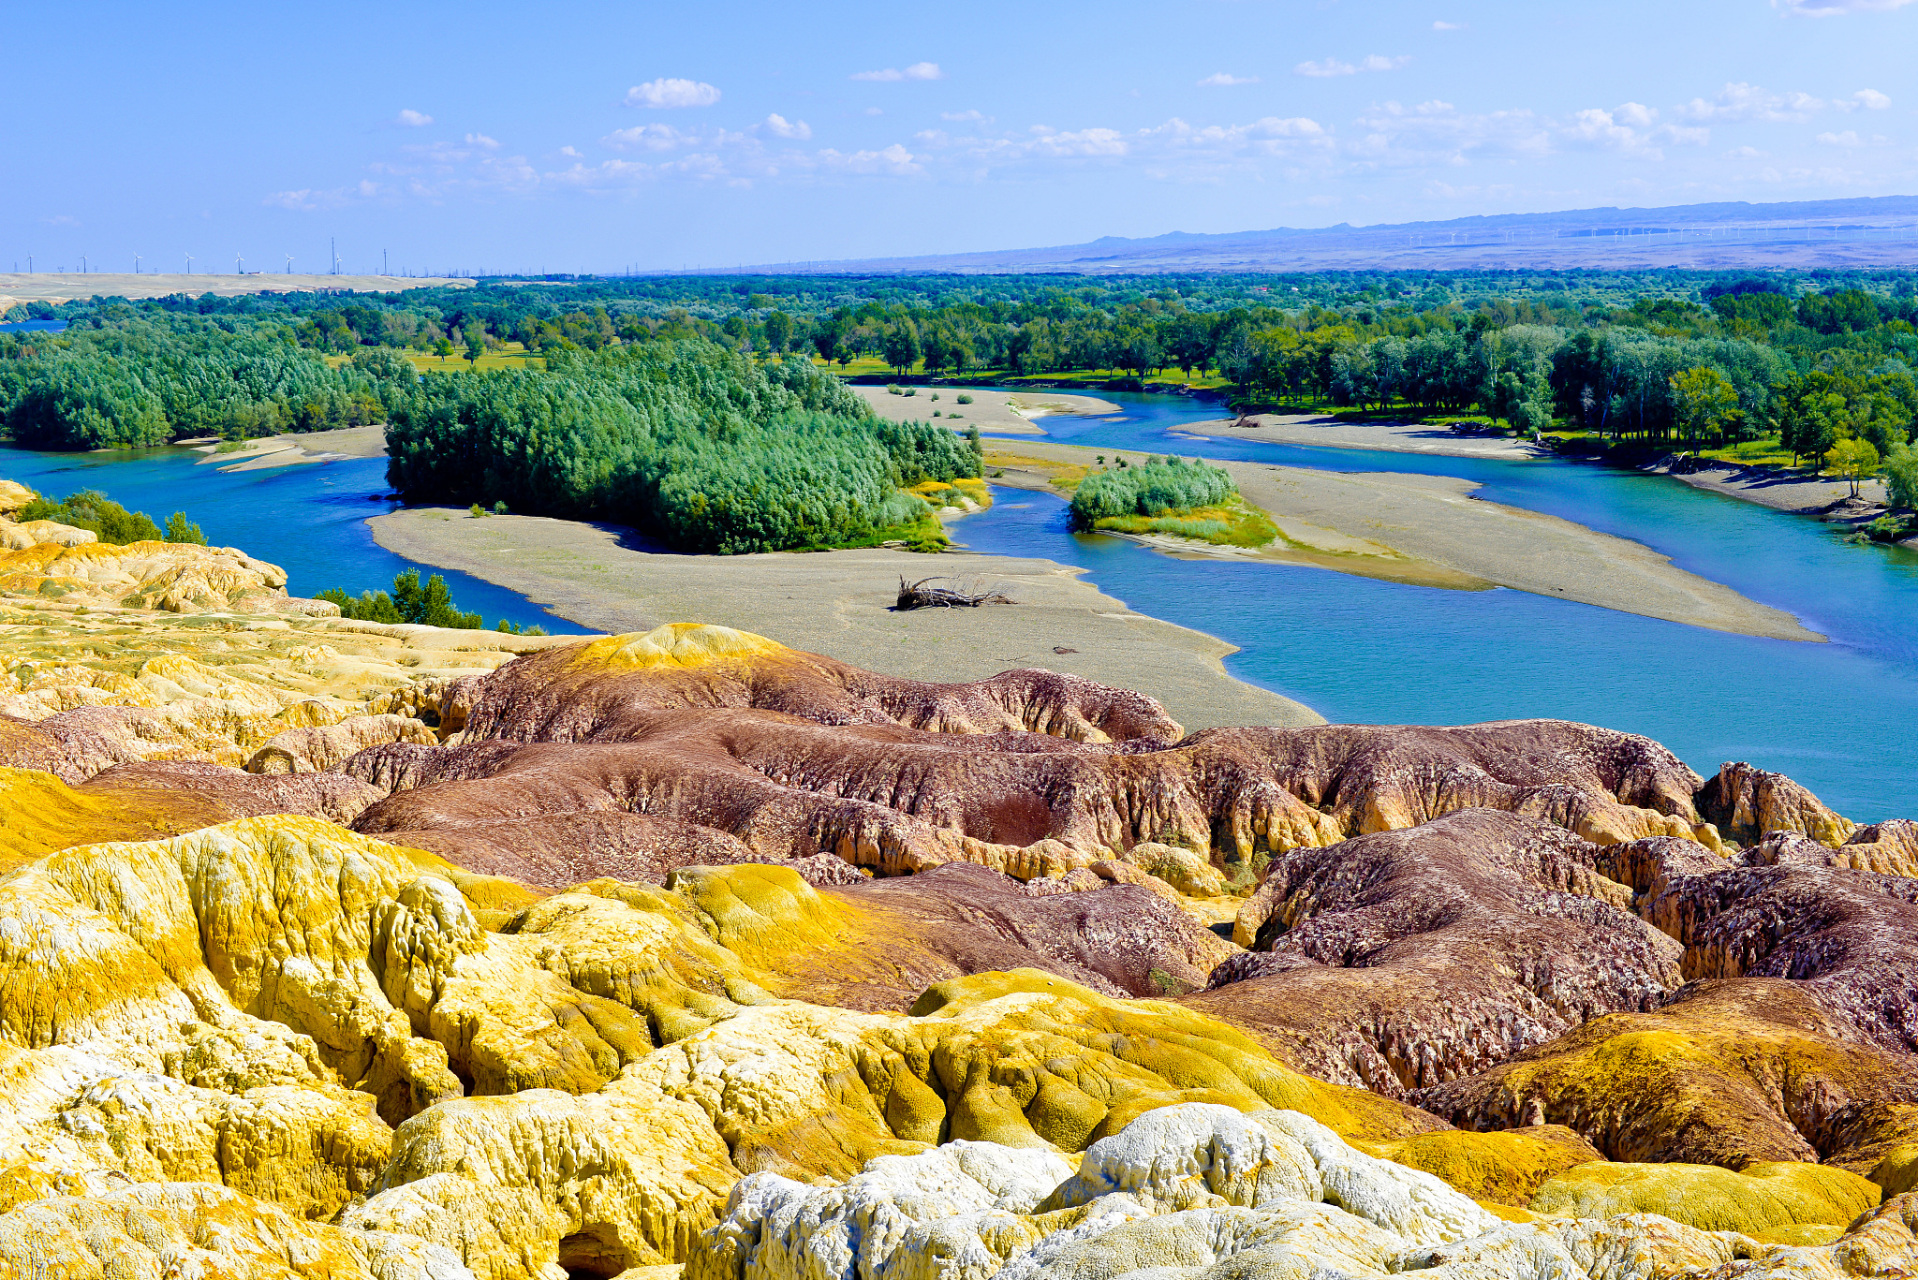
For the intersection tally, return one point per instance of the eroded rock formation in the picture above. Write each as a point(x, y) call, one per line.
point(621, 967)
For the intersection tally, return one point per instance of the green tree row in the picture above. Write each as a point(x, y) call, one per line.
point(700, 446)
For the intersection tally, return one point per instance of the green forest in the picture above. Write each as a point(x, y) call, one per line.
point(704, 447)
point(701, 408)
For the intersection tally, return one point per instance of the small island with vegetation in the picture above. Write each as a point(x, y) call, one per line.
point(1170, 497)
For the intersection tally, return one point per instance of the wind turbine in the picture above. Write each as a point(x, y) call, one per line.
point(238, 264)
point(136, 264)
point(189, 264)
point(289, 264)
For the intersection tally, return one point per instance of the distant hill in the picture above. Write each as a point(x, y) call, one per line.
point(1868, 232)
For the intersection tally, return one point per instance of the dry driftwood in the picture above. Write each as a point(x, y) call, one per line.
point(918, 595)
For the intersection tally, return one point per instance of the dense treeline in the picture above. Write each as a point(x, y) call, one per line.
point(701, 446)
point(1814, 361)
point(1160, 487)
point(146, 382)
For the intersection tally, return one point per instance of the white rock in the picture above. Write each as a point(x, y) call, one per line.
point(1410, 1203)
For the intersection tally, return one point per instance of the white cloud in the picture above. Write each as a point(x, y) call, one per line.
point(61, 220)
point(572, 153)
point(895, 160)
point(669, 92)
point(1636, 114)
point(1864, 99)
point(1333, 67)
point(1746, 153)
point(780, 127)
point(1225, 80)
point(1849, 138)
point(959, 117)
point(647, 137)
point(481, 140)
point(1739, 101)
point(1442, 25)
point(917, 71)
point(413, 119)
point(874, 111)
point(1836, 8)
point(1080, 142)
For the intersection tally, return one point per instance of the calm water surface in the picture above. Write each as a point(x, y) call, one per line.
point(1840, 717)
point(310, 520)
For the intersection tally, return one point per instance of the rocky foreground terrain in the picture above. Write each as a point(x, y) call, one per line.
point(331, 949)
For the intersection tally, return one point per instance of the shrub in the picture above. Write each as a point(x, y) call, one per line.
point(180, 529)
point(1160, 487)
point(965, 399)
point(91, 510)
point(428, 605)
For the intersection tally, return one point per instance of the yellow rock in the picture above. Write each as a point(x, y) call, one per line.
point(1764, 1198)
point(676, 644)
point(193, 1229)
point(40, 814)
point(13, 496)
point(1505, 1167)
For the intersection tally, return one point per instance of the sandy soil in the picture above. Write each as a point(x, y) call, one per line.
point(52, 286)
point(1782, 491)
point(1395, 437)
point(298, 448)
point(839, 603)
point(993, 411)
point(1429, 530)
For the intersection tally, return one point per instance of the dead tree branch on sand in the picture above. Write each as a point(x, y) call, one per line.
point(962, 595)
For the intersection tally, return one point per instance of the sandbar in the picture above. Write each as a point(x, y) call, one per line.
point(994, 410)
point(839, 603)
point(1391, 437)
point(1431, 531)
point(297, 448)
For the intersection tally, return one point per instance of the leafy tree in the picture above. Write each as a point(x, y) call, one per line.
point(180, 529)
point(1901, 477)
point(475, 346)
point(1702, 400)
point(1855, 461)
point(779, 332)
point(902, 347)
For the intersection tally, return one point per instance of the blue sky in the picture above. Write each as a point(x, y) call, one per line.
point(595, 137)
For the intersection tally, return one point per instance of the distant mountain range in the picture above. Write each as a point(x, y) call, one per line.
point(1877, 231)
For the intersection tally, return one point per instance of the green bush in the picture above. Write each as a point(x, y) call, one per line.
point(1160, 487)
point(965, 399)
point(92, 510)
point(429, 605)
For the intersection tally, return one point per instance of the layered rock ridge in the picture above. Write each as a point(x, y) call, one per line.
point(330, 949)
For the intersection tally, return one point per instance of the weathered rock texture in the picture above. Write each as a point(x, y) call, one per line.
point(1406, 958)
point(1029, 773)
point(622, 968)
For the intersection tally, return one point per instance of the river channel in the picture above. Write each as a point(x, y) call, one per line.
point(1840, 717)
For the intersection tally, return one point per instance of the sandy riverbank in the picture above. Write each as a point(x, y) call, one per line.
point(839, 603)
point(298, 448)
point(994, 411)
point(1430, 531)
point(1393, 437)
point(1783, 491)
